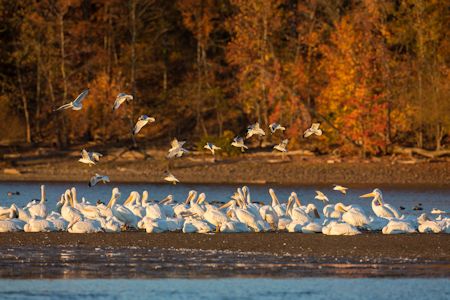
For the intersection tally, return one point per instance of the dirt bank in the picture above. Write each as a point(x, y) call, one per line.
point(251, 169)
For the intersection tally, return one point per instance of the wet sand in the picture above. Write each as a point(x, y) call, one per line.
point(137, 254)
point(249, 170)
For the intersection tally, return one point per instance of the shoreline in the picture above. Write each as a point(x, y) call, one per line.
point(236, 171)
point(177, 255)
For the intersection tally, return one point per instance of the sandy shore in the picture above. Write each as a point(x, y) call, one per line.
point(141, 255)
point(252, 169)
point(412, 246)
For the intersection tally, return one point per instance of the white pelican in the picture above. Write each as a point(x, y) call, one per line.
point(254, 129)
point(141, 122)
point(122, 213)
point(155, 212)
point(233, 225)
point(352, 215)
point(335, 228)
point(181, 208)
point(192, 225)
point(59, 223)
point(88, 211)
point(77, 103)
point(98, 178)
point(398, 227)
point(275, 126)
point(211, 147)
point(176, 149)
point(277, 207)
point(238, 142)
point(314, 129)
point(9, 226)
point(79, 226)
point(39, 209)
point(68, 212)
point(86, 158)
point(436, 211)
point(321, 197)
point(6, 213)
point(312, 227)
point(105, 210)
point(20, 213)
point(166, 206)
point(110, 224)
point(296, 211)
point(381, 209)
point(38, 225)
point(340, 188)
point(269, 215)
point(244, 216)
point(214, 216)
point(171, 178)
point(430, 227)
point(282, 146)
point(120, 99)
point(331, 212)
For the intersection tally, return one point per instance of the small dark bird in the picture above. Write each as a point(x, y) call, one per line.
point(402, 208)
point(417, 207)
point(100, 202)
point(10, 194)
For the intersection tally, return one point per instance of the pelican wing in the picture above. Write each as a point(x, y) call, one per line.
point(139, 125)
point(315, 126)
point(65, 106)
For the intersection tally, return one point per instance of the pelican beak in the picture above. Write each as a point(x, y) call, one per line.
point(369, 195)
point(228, 204)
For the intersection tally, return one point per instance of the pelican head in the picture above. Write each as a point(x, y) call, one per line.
point(114, 197)
point(201, 198)
point(340, 207)
point(376, 194)
point(296, 199)
point(191, 195)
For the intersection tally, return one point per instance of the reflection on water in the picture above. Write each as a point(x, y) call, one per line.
point(135, 262)
point(407, 196)
point(238, 288)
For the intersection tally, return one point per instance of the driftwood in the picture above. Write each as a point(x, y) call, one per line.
point(421, 152)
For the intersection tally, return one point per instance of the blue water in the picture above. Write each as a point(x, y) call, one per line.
point(238, 288)
point(407, 196)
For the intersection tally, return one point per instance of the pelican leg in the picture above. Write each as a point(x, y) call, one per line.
point(217, 229)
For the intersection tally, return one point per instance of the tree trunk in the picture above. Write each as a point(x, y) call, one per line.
point(133, 66)
point(25, 105)
point(63, 137)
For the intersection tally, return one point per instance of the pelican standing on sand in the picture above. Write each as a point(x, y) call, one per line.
point(120, 99)
point(238, 142)
point(314, 129)
point(75, 104)
point(381, 209)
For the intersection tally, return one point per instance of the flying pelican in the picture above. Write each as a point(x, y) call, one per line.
point(211, 147)
point(120, 99)
point(171, 178)
point(77, 103)
point(282, 146)
point(238, 142)
point(321, 197)
point(340, 188)
point(176, 149)
point(98, 178)
point(141, 122)
point(87, 158)
point(254, 129)
point(275, 126)
point(39, 209)
point(314, 129)
point(381, 209)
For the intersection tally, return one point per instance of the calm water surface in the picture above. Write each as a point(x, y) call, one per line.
point(238, 288)
point(407, 196)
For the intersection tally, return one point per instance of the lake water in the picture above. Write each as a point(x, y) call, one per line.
point(406, 196)
point(237, 288)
